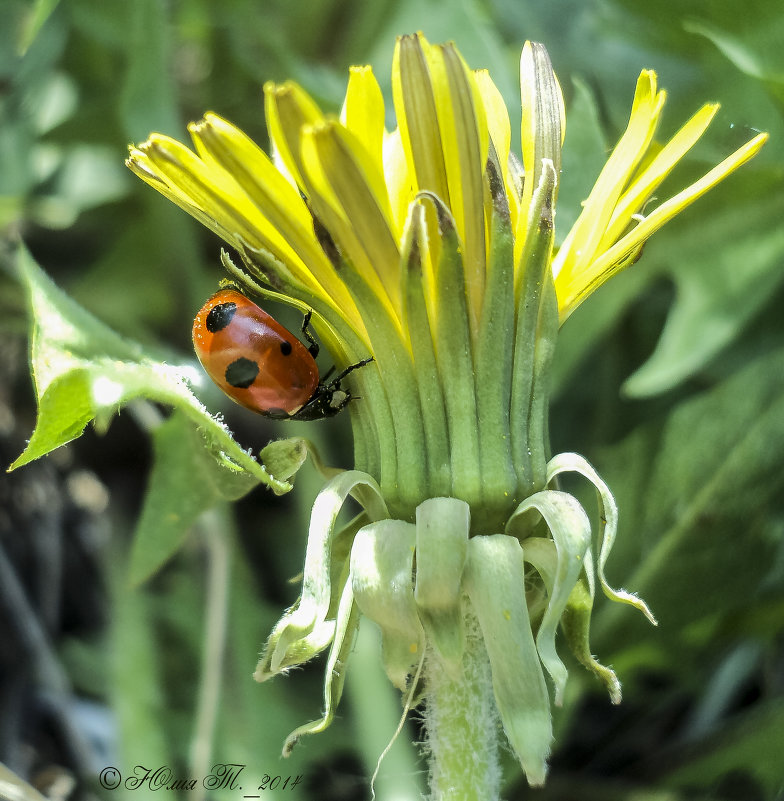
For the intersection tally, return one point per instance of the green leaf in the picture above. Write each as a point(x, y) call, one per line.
point(749, 744)
point(63, 413)
point(37, 16)
point(698, 502)
point(83, 371)
point(147, 100)
point(185, 481)
point(748, 56)
point(724, 271)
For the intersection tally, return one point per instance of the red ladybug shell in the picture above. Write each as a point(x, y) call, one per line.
point(252, 357)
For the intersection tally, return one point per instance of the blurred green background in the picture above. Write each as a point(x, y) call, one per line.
point(670, 380)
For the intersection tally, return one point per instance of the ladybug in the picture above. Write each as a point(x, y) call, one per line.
point(261, 365)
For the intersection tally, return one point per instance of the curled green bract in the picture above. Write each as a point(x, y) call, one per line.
point(420, 581)
point(306, 628)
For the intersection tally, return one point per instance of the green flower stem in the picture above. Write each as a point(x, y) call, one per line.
point(462, 725)
point(213, 526)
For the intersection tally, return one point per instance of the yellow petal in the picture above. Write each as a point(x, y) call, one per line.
point(214, 198)
point(571, 294)
point(288, 108)
point(417, 117)
point(464, 141)
point(660, 167)
point(139, 162)
point(225, 146)
point(500, 131)
point(363, 114)
point(580, 246)
point(346, 189)
point(399, 181)
point(206, 188)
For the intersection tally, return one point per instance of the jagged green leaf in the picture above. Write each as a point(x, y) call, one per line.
point(84, 371)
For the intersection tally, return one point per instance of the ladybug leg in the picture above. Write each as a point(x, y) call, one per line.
point(313, 346)
point(335, 383)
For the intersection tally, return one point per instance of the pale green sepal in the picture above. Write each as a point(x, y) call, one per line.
point(542, 555)
point(576, 618)
point(303, 630)
point(574, 463)
point(442, 527)
point(297, 653)
point(575, 624)
point(283, 457)
point(495, 583)
point(382, 565)
point(571, 533)
point(346, 626)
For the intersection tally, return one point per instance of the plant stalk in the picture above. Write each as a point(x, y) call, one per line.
point(463, 725)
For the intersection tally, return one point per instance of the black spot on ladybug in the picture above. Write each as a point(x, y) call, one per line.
point(241, 373)
point(285, 348)
point(220, 316)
